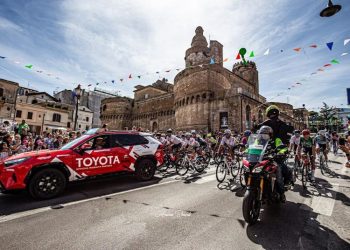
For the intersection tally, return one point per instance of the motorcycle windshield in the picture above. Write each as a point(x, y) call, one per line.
point(256, 148)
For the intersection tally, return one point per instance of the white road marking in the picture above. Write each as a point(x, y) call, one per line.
point(324, 204)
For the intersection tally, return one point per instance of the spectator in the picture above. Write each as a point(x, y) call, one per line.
point(48, 141)
point(4, 151)
point(103, 129)
point(65, 140)
point(58, 142)
point(23, 128)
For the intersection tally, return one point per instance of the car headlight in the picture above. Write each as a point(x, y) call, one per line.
point(15, 162)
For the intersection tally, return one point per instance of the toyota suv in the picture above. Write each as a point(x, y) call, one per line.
point(45, 173)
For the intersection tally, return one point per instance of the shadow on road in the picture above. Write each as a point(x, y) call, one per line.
point(288, 226)
point(20, 201)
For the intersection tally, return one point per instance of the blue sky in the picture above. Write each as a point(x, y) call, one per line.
point(96, 41)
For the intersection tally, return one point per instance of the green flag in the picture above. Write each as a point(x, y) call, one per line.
point(29, 66)
point(251, 54)
point(334, 61)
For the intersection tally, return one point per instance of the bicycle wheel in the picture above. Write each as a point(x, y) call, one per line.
point(304, 175)
point(235, 168)
point(220, 171)
point(242, 179)
point(182, 167)
point(322, 164)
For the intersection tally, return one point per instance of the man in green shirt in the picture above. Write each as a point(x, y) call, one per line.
point(23, 128)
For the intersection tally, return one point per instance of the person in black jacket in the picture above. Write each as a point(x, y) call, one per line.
point(280, 131)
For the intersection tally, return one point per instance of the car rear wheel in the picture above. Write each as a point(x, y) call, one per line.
point(145, 170)
point(47, 183)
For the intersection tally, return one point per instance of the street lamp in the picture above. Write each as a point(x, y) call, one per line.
point(77, 93)
point(330, 10)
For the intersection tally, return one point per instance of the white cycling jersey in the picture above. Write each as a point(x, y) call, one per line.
point(228, 141)
point(295, 140)
point(173, 139)
point(190, 142)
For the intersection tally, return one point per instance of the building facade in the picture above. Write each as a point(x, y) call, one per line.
point(8, 98)
point(205, 96)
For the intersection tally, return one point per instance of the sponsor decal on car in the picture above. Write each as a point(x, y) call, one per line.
point(97, 162)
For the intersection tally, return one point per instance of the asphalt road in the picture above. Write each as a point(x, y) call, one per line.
point(178, 213)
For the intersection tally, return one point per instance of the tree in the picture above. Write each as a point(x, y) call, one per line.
point(327, 114)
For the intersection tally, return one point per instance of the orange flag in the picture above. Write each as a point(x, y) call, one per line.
point(297, 49)
point(313, 46)
point(225, 60)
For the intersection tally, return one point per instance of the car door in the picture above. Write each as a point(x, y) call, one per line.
point(121, 151)
point(99, 158)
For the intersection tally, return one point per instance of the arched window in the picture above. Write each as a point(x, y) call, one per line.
point(198, 98)
point(187, 100)
point(260, 116)
point(1, 92)
point(192, 99)
point(248, 116)
point(204, 96)
point(104, 107)
point(183, 102)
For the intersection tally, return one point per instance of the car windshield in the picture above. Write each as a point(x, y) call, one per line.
point(70, 144)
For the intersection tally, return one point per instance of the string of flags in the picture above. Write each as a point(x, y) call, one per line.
point(240, 56)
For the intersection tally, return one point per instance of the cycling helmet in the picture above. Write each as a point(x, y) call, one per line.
point(322, 132)
point(272, 111)
point(187, 134)
point(306, 132)
point(193, 131)
point(265, 130)
point(227, 132)
point(247, 133)
point(296, 131)
point(169, 130)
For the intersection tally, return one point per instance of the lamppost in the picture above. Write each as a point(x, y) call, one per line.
point(330, 10)
point(77, 93)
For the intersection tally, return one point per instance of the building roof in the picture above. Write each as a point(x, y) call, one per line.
point(9, 82)
point(42, 93)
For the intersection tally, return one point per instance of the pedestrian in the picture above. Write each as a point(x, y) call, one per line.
point(23, 128)
point(4, 151)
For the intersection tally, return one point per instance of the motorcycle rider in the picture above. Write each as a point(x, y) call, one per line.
point(280, 136)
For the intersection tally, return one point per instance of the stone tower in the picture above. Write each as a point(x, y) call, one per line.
point(248, 72)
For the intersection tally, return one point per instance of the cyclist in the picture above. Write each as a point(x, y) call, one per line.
point(335, 142)
point(228, 142)
point(280, 132)
point(245, 137)
point(321, 143)
point(161, 138)
point(190, 144)
point(173, 141)
point(294, 141)
point(308, 147)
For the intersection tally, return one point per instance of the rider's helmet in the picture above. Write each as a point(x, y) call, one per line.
point(306, 132)
point(158, 134)
point(169, 131)
point(265, 132)
point(272, 111)
point(227, 132)
point(187, 134)
point(193, 132)
point(247, 133)
point(297, 133)
point(322, 132)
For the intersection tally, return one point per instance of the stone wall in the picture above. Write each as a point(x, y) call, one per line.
point(117, 112)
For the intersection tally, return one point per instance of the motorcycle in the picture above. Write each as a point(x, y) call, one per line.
point(260, 175)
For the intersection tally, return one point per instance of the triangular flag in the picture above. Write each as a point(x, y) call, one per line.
point(320, 70)
point(299, 83)
point(330, 45)
point(344, 54)
point(2, 57)
point(225, 60)
point(177, 69)
point(251, 54)
point(314, 73)
point(335, 61)
point(327, 65)
point(297, 49)
point(168, 70)
point(29, 66)
point(130, 76)
point(212, 61)
point(157, 72)
point(121, 79)
point(267, 52)
point(289, 88)
point(238, 57)
point(313, 46)
point(139, 77)
point(89, 85)
point(97, 83)
point(112, 81)
point(346, 41)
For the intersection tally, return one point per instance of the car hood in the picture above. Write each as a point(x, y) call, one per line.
point(32, 153)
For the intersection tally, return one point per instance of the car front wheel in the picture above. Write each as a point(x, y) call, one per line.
point(47, 183)
point(145, 170)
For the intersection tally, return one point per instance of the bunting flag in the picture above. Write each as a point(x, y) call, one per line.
point(177, 69)
point(112, 81)
point(327, 65)
point(267, 52)
point(139, 77)
point(330, 45)
point(130, 76)
point(39, 71)
point(344, 54)
point(320, 70)
point(29, 66)
point(225, 60)
point(121, 80)
point(335, 61)
point(251, 54)
point(17, 62)
point(314, 73)
point(212, 61)
point(298, 83)
point(168, 70)
point(238, 57)
point(97, 83)
point(297, 49)
point(346, 41)
point(89, 85)
point(313, 46)
point(2, 57)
